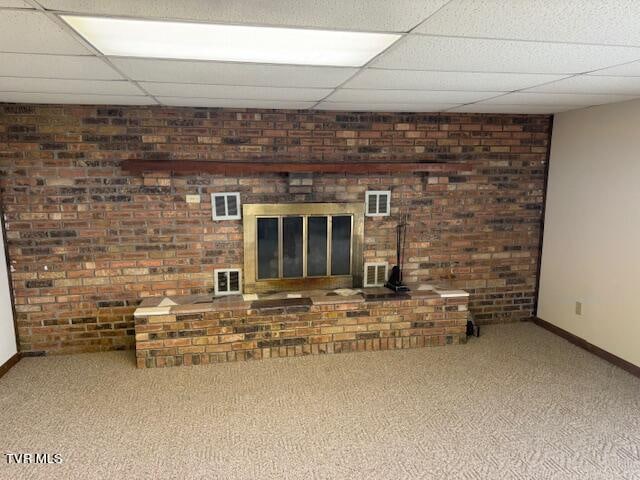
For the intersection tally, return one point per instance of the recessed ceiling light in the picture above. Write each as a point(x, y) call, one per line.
point(232, 43)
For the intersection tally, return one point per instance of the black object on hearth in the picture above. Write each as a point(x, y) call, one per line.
point(472, 327)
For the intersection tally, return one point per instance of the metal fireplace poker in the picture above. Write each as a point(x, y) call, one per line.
point(395, 279)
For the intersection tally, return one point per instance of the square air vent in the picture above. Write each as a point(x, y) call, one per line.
point(378, 203)
point(228, 281)
point(375, 274)
point(225, 206)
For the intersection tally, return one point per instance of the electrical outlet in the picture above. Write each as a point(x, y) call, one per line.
point(578, 308)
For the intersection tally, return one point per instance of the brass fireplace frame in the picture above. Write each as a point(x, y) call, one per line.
point(250, 214)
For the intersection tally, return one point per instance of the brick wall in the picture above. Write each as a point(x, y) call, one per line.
point(87, 241)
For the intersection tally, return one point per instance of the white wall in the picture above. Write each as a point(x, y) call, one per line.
point(591, 246)
point(7, 330)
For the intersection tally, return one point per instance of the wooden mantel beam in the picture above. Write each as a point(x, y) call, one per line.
point(240, 168)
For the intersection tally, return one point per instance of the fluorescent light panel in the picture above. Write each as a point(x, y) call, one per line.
point(233, 43)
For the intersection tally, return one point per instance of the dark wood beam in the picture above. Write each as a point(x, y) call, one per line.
point(246, 168)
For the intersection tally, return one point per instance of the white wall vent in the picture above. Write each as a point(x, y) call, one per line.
point(378, 203)
point(225, 206)
point(228, 281)
point(375, 274)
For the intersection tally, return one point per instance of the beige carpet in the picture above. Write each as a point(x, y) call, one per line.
point(518, 403)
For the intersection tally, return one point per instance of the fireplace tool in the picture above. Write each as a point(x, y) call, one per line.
point(395, 279)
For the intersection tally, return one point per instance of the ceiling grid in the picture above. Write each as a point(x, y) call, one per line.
point(522, 56)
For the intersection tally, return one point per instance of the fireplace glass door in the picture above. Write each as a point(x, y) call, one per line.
point(301, 246)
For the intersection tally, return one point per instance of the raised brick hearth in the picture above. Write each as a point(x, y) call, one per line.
point(201, 330)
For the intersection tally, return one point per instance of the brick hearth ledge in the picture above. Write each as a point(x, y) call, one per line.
point(200, 329)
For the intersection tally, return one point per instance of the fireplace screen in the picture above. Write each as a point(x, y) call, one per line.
point(299, 246)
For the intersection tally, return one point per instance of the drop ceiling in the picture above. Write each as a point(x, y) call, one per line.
point(481, 56)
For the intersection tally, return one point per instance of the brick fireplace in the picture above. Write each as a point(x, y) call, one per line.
point(300, 292)
point(88, 240)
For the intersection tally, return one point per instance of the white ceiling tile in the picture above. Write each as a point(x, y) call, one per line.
point(14, 4)
point(426, 80)
point(627, 70)
point(419, 52)
point(408, 96)
point(233, 103)
point(384, 107)
point(525, 98)
point(231, 91)
point(613, 22)
point(25, 31)
point(57, 85)
point(593, 85)
point(524, 109)
point(220, 73)
point(21, 97)
point(55, 66)
point(374, 15)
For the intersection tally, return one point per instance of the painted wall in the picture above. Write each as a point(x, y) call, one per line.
point(591, 246)
point(7, 330)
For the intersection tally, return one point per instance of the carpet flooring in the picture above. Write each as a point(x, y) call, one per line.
point(516, 403)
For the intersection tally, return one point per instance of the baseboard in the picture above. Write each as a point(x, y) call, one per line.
point(6, 366)
point(582, 343)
